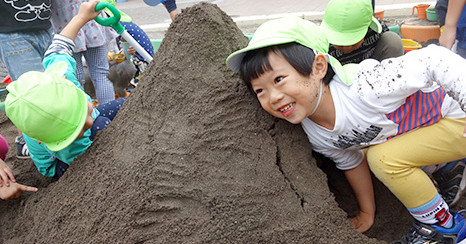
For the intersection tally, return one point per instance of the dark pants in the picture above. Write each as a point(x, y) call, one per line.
point(107, 111)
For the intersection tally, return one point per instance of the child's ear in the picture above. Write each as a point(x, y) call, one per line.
point(320, 65)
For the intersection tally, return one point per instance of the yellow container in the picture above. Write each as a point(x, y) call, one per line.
point(410, 45)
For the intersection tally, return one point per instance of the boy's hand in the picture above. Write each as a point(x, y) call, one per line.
point(448, 37)
point(6, 174)
point(14, 191)
point(131, 50)
point(363, 222)
point(87, 10)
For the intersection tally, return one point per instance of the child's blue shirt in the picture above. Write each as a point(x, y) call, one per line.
point(45, 159)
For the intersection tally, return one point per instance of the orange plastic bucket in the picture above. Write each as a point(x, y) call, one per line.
point(421, 10)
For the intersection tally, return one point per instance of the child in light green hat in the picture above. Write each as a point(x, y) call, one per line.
point(51, 109)
point(397, 109)
point(355, 35)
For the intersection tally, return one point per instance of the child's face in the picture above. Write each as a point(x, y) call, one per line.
point(348, 49)
point(285, 93)
point(89, 120)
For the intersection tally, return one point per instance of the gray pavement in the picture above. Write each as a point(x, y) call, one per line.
point(249, 14)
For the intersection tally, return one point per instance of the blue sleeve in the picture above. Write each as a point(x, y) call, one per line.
point(41, 157)
point(170, 5)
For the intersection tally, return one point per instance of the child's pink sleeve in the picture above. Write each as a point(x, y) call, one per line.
point(3, 147)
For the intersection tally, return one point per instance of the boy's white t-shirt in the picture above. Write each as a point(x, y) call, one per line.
point(390, 98)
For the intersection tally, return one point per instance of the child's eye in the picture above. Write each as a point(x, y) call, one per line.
point(278, 79)
point(257, 91)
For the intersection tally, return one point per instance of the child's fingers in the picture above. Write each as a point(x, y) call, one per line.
point(10, 174)
point(4, 178)
point(27, 188)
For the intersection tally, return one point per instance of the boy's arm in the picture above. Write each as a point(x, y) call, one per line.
point(86, 13)
point(170, 5)
point(361, 182)
point(448, 36)
point(14, 190)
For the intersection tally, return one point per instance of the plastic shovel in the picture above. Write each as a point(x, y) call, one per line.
point(114, 22)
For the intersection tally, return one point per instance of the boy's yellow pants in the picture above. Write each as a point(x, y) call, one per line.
point(397, 162)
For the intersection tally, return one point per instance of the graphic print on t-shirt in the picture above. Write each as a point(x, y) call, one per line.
point(30, 10)
point(358, 138)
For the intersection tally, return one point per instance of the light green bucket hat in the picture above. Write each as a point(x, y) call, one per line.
point(346, 21)
point(124, 16)
point(47, 107)
point(287, 30)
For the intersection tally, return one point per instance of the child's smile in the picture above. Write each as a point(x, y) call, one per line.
point(284, 92)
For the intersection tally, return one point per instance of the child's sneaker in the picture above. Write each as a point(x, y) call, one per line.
point(423, 233)
point(451, 181)
point(22, 150)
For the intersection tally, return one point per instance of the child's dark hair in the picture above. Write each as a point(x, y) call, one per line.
point(256, 62)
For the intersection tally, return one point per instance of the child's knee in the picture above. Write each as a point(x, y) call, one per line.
point(378, 163)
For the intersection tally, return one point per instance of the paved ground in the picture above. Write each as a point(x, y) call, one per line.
point(249, 14)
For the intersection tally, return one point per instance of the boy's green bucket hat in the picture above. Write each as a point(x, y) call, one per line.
point(47, 107)
point(346, 21)
point(124, 17)
point(286, 30)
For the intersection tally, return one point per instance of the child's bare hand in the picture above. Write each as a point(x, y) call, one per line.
point(6, 174)
point(131, 50)
point(87, 10)
point(363, 222)
point(14, 191)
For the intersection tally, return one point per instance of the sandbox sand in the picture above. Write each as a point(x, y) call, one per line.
point(192, 158)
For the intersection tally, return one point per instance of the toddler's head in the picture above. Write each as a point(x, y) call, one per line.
point(48, 108)
point(346, 23)
point(297, 40)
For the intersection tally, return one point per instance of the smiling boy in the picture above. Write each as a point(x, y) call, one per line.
point(398, 109)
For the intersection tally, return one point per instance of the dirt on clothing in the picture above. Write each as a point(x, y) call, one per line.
point(192, 158)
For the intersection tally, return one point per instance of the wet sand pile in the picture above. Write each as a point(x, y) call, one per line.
point(192, 158)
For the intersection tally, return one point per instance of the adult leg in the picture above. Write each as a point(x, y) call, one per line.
point(97, 62)
point(22, 52)
point(388, 46)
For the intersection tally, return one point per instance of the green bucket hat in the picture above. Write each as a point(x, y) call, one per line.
point(346, 21)
point(124, 17)
point(47, 107)
point(286, 30)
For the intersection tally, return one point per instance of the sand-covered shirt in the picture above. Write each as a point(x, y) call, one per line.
point(388, 99)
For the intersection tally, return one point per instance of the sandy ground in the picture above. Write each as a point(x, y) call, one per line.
point(192, 158)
